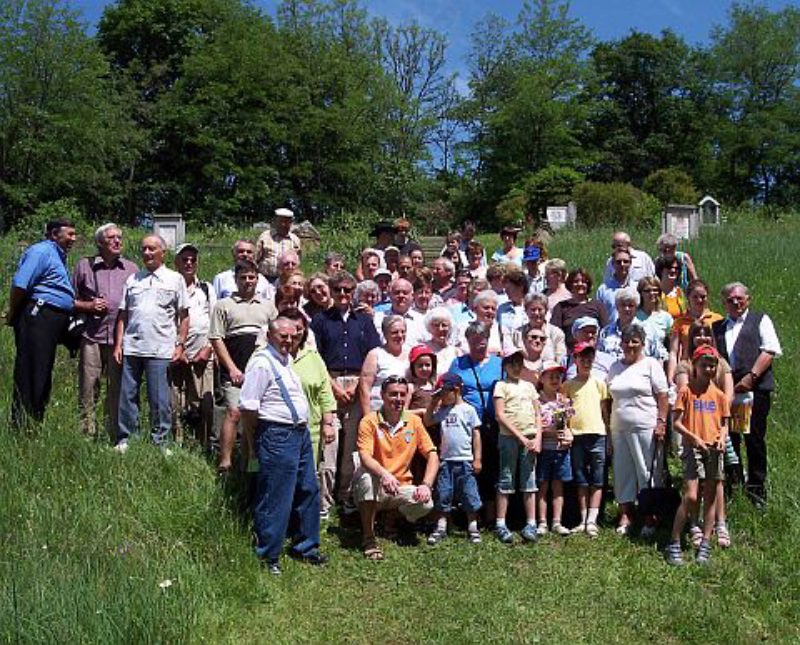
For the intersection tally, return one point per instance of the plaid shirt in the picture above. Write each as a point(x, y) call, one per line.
point(269, 249)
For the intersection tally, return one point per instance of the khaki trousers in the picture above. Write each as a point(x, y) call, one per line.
point(349, 418)
point(96, 361)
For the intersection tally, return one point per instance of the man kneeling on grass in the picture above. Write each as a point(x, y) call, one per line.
point(387, 441)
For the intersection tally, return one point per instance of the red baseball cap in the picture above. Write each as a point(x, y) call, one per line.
point(582, 347)
point(418, 351)
point(705, 350)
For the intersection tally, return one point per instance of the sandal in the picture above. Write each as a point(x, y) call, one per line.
point(371, 550)
point(695, 536)
point(723, 535)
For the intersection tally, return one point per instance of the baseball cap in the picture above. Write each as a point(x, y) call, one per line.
point(705, 350)
point(531, 254)
point(449, 381)
point(512, 351)
point(582, 347)
point(584, 321)
point(549, 366)
point(186, 246)
point(418, 352)
point(383, 272)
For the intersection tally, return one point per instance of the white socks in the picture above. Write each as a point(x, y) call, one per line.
point(591, 518)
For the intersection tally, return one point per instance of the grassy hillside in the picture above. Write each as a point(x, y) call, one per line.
point(99, 548)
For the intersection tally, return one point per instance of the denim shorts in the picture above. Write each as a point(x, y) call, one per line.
point(456, 486)
point(517, 467)
point(588, 456)
point(554, 465)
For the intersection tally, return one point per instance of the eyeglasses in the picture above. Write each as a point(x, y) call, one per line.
point(651, 290)
point(343, 289)
point(732, 300)
point(539, 337)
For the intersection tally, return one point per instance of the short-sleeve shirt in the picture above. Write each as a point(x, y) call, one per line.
point(587, 399)
point(200, 308)
point(723, 369)
point(153, 301)
point(488, 372)
point(680, 328)
point(237, 322)
point(262, 393)
point(561, 406)
point(703, 412)
point(633, 390)
point(269, 249)
point(394, 448)
point(42, 274)
point(457, 423)
point(520, 405)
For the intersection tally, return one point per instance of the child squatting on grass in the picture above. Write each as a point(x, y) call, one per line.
point(592, 404)
point(554, 467)
point(460, 457)
point(701, 417)
point(519, 441)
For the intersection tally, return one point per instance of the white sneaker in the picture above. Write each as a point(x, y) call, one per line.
point(581, 528)
point(541, 529)
point(121, 447)
point(560, 529)
point(167, 452)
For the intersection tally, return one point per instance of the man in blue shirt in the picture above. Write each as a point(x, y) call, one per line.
point(344, 338)
point(39, 307)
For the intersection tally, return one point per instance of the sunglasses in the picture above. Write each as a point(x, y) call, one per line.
point(539, 337)
point(393, 380)
point(343, 289)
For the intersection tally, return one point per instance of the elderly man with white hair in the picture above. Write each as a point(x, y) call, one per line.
point(747, 340)
point(401, 295)
point(152, 326)
point(641, 263)
point(484, 306)
point(99, 281)
point(275, 241)
point(443, 271)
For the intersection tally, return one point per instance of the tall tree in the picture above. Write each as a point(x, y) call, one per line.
point(64, 124)
point(757, 59)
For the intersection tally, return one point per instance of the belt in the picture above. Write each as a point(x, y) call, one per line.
point(295, 426)
point(46, 305)
point(337, 373)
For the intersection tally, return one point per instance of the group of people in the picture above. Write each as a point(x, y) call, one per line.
point(412, 390)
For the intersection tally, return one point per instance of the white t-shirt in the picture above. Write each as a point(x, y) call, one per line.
point(457, 423)
point(633, 390)
point(225, 285)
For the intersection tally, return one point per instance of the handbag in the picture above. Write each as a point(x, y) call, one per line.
point(661, 501)
point(71, 338)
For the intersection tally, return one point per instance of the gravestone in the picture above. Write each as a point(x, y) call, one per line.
point(171, 228)
point(681, 220)
point(709, 211)
point(561, 216)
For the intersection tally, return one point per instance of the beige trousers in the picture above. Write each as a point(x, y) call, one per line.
point(96, 361)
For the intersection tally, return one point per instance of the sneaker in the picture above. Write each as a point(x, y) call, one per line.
point(504, 535)
point(647, 532)
point(436, 537)
point(474, 537)
point(623, 530)
point(314, 557)
point(696, 536)
point(703, 552)
point(324, 516)
point(560, 529)
point(673, 554)
point(530, 533)
point(121, 448)
point(541, 529)
point(592, 530)
point(274, 567)
point(581, 528)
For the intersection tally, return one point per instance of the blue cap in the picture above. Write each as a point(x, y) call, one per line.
point(584, 321)
point(531, 254)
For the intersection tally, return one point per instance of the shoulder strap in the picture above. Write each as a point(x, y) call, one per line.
point(284, 392)
point(478, 383)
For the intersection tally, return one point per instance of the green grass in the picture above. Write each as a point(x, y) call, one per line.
point(86, 537)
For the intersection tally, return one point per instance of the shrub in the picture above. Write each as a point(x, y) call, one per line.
point(614, 203)
point(551, 186)
point(671, 186)
point(32, 227)
point(511, 209)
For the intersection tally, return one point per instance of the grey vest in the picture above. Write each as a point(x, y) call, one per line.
point(747, 349)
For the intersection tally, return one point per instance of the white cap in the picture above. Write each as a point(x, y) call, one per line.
point(284, 212)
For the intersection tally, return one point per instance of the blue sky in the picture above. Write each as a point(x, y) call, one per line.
point(608, 19)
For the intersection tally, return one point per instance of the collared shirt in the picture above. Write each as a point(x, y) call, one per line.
point(225, 285)
point(93, 278)
point(200, 308)
point(602, 363)
point(262, 393)
point(42, 274)
point(235, 316)
point(511, 317)
point(766, 330)
point(269, 248)
point(607, 294)
point(415, 327)
point(610, 341)
point(641, 266)
point(153, 302)
point(344, 342)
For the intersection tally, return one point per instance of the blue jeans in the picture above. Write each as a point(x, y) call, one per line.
point(588, 459)
point(158, 395)
point(286, 484)
point(456, 485)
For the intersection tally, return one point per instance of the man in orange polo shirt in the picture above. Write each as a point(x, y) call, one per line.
point(388, 439)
